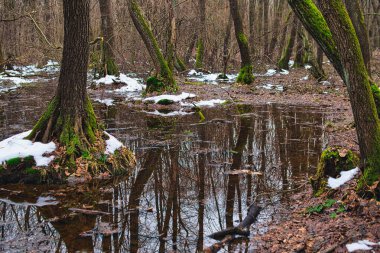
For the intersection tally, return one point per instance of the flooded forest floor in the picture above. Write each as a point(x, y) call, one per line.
point(196, 176)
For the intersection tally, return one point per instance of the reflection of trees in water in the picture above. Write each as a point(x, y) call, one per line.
point(23, 227)
point(182, 175)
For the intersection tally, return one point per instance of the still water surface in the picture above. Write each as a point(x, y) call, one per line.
point(192, 179)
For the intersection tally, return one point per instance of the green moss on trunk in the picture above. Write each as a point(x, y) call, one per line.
point(245, 75)
point(199, 54)
point(143, 27)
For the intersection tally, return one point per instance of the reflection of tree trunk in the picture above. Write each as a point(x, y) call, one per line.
point(201, 187)
point(233, 180)
point(173, 171)
point(136, 192)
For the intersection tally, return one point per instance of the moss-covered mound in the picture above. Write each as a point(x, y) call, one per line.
point(246, 75)
point(91, 164)
point(154, 84)
point(333, 160)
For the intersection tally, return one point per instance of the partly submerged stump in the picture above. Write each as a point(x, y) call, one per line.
point(106, 159)
point(333, 160)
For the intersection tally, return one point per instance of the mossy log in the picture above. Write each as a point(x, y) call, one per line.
point(333, 160)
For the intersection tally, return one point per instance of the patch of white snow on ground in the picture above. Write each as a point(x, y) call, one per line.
point(16, 146)
point(345, 176)
point(291, 63)
point(169, 114)
point(284, 72)
point(107, 101)
point(305, 78)
point(269, 86)
point(132, 84)
point(209, 103)
point(307, 66)
point(41, 201)
point(361, 245)
point(209, 78)
point(112, 144)
point(174, 98)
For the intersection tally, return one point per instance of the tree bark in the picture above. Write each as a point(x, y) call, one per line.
point(110, 67)
point(276, 26)
point(202, 34)
point(252, 30)
point(70, 117)
point(336, 35)
point(355, 12)
point(245, 74)
point(143, 27)
point(287, 52)
point(226, 45)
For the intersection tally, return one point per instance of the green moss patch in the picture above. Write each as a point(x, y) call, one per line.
point(333, 160)
point(245, 75)
point(165, 101)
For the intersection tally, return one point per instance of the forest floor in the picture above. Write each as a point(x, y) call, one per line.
point(336, 219)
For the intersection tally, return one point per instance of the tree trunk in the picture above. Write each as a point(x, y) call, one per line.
point(319, 56)
point(355, 12)
point(287, 52)
point(299, 59)
point(266, 28)
point(252, 22)
point(109, 65)
point(202, 34)
point(245, 74)
point(336, 35)
point(276, 25)
point(70, 119)
point(143, 27)
point(2, 61)
point(172, 30)
point(226, 45)
point(190, 48)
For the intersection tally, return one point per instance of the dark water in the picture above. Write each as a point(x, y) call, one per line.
point(182, 188)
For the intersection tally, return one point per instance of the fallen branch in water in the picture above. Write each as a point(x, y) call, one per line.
point(226, 236)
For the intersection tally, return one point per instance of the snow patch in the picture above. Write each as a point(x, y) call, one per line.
point(174, 98)
point(132, 84)
point(345, 176)
point(269, 86)
point(361, 245)
point(17, 146)
point(284, 72)
point(307, 66)
point(112, 144)
point(169, 114)
point(41, 201)
point(209, 103)
point(325, 83)
point(305, 78)
point(107, 101)
point(209, 78)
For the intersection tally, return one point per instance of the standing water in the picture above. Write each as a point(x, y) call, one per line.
point(192, 179)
